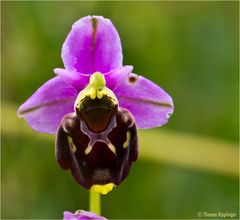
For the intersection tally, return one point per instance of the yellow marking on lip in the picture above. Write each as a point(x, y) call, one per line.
point(103, 189)
point(71, 144)
point(112, 148)
point(88, 149)
point(126, 143)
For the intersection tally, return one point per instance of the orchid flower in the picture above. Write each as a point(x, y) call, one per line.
point(81, 215)
point(95, 106)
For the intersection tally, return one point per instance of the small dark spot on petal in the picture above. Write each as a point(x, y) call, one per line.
point(132, 78)
point(169, 115)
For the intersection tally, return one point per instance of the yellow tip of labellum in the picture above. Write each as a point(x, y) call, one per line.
point(103, 189)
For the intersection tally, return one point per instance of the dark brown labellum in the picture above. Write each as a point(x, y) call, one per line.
point(97, 113)
point(98, 143)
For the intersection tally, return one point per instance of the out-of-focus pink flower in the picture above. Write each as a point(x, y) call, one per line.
point(81, 215)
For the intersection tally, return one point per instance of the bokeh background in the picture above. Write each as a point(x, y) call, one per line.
point(186, 167)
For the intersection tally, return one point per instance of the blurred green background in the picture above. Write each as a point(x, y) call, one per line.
point(187, 167)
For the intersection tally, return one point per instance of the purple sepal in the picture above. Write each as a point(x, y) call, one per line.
point(93, 45)
point(44, 110)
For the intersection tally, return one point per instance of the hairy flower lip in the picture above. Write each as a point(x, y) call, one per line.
point(101, 173)
point(107, 160)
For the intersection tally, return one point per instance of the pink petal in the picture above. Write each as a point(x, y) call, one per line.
point(44, 110)
point(76, 80)
point(92, 45)
point(150, 105)
point(117, 76)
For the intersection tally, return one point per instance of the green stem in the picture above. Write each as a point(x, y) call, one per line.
point(95, 202)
